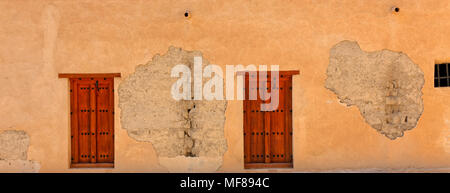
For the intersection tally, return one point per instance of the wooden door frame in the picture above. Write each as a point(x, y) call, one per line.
point(289, 73)
point(70, 76)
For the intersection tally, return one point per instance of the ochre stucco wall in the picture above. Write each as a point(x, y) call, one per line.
point(39, 39)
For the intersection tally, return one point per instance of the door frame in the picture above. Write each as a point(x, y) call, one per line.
point(250, 165)
point(70, 77)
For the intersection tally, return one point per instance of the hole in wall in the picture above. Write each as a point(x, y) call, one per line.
point(186, 14)
point(396, 9)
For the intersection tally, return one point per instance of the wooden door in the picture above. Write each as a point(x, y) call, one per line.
point(105, 121)
point(268, 134)
point(92, 120)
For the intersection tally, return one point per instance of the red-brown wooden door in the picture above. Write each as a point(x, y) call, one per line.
point(92, 121)
point(268, 134)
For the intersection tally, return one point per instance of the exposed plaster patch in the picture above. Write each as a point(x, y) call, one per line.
point(13, 152)
point(15, 166)
point(385, 86)
point(185, 128)
point(13, 145)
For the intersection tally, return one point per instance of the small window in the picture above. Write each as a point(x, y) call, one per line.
point(91, 120)
point(441, 75)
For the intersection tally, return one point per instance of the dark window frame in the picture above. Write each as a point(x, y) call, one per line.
point(442, 75)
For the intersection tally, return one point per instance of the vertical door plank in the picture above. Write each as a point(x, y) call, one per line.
point(256, 123)
point(273, 129)
point(101, 120)
point(259, 128)
point(281, 120)
point(277, 124)
point(247, 130)
point(253, 124)
point(83, 89)
point(111, 119)
point(74, 120)
point(288, 117)
point(93, 123)
point(267, 130)
point(105, 131)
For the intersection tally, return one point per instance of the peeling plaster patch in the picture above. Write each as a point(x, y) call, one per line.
point(385, 86)
point(185, 128)
point(13, 152)
point(15, 166)
point(13, 145)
